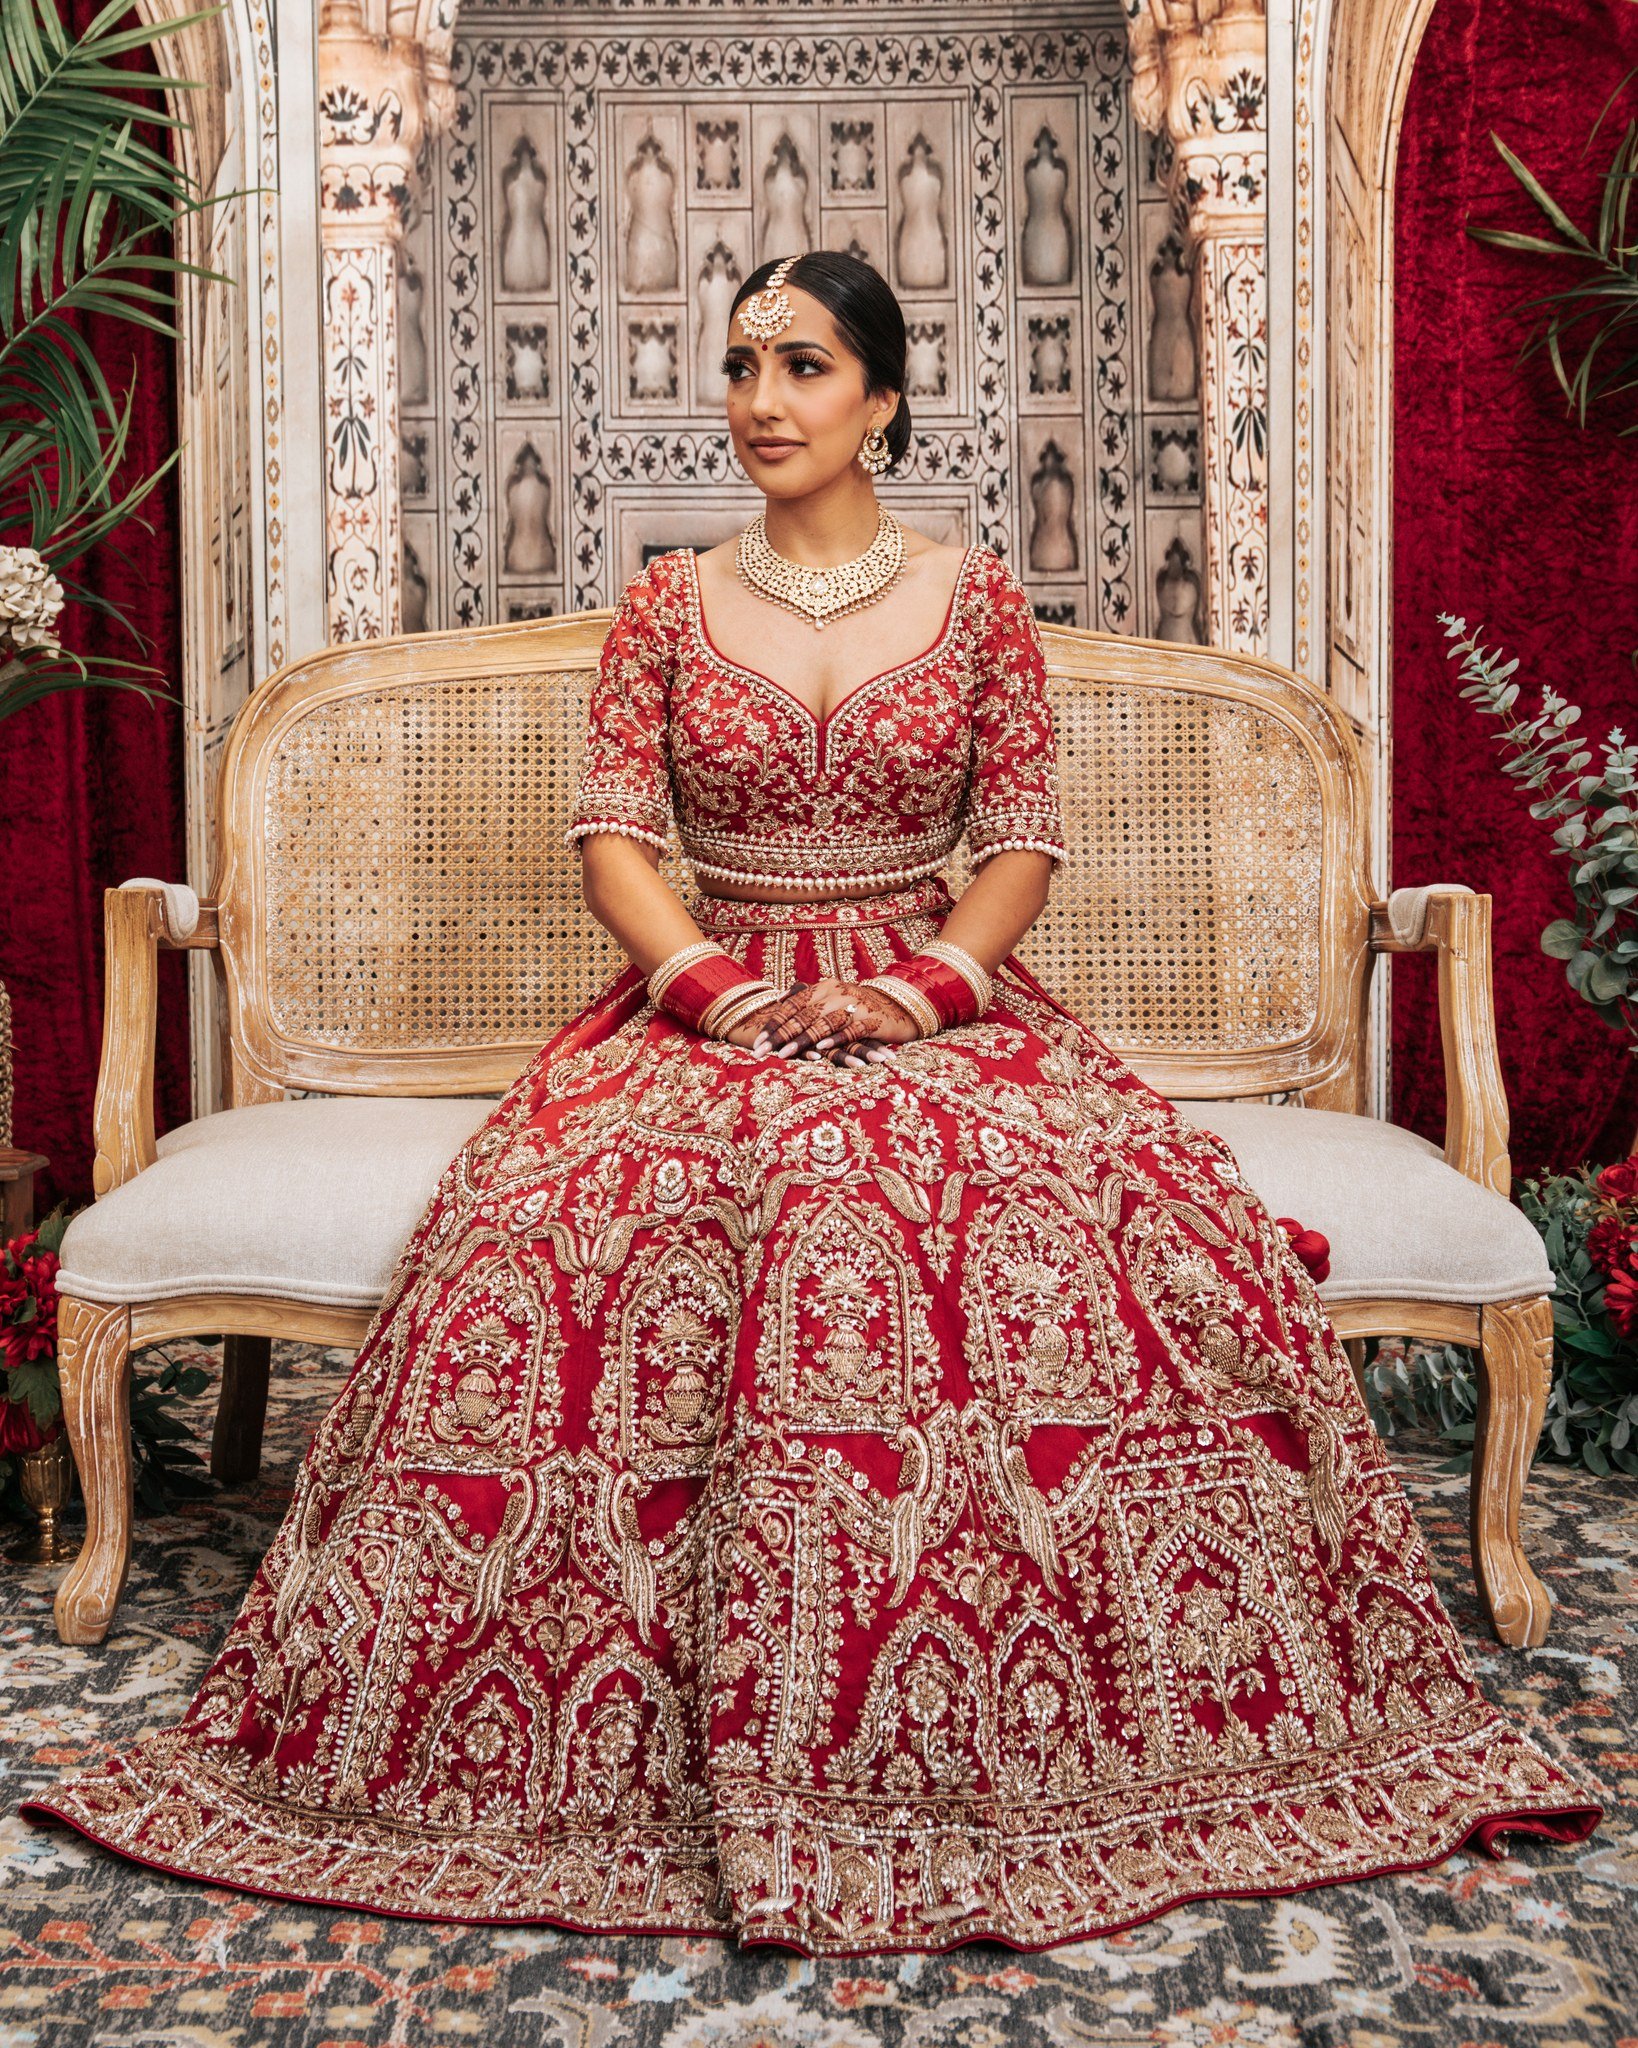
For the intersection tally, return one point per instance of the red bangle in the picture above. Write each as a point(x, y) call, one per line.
point(689, 995)
point(950, 993)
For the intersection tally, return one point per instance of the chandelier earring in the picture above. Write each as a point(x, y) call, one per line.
point(874, 455)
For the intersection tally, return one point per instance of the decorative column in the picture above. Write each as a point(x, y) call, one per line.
point(384, 92)
point(1200, 74)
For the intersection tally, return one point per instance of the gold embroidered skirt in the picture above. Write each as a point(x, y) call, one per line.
point(856, 1509)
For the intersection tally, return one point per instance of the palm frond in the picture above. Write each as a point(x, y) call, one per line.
point(1588, 330)
point(87, 210)
point(28, 678)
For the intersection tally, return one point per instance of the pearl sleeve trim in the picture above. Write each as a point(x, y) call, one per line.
point(584, 830)
point(1059, 855)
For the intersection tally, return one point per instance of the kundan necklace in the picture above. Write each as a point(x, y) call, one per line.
point(821, 594)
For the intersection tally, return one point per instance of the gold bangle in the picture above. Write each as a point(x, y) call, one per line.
point(973, 972)
point(920, 1010)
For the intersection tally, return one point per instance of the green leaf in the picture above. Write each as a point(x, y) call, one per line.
point(1596, 1342)
point(35, 1381)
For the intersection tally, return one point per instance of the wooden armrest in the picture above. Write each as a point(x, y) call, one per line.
point(1452, 921)
point(138, 918)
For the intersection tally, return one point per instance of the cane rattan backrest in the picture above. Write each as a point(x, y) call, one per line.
point(399, 914)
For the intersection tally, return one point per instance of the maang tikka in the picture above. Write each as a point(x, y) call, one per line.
point(769, 311)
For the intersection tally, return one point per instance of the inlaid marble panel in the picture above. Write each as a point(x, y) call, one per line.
point(609, 181)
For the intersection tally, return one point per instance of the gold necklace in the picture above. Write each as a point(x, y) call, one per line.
point(821, 594)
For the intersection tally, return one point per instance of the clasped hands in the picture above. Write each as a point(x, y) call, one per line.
point(846, 1022)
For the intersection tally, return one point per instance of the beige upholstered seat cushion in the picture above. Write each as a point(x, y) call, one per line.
point(313, 1201)
point(1401, 1222)
point(308, 1201)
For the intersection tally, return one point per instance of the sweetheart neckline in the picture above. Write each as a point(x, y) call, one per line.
point(821, 724)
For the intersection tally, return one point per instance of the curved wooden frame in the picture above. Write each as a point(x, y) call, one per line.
point(1327, 1064)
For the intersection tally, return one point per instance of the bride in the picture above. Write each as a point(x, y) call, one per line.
point(841, 1461)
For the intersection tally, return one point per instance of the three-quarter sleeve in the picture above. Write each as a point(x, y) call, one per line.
point(625, 771)
point(1012, 785)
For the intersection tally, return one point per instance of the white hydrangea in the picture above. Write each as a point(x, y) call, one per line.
point(30, 599)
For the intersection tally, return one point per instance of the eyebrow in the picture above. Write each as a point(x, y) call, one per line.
point(781, 348)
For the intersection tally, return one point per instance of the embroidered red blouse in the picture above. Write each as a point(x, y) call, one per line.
point(960, 738)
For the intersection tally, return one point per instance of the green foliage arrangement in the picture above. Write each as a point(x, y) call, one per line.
point(1589, 1225)
point(1425, 1387)
point(86, 215)
point(1594, 812)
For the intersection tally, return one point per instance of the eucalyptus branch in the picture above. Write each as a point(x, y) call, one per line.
point(1595, 818)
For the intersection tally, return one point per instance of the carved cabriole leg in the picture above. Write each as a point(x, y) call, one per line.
point(1516, 1349)
point(236, 1440)
point(94, 1361)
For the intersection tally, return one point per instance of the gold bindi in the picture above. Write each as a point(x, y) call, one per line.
point(769, 311)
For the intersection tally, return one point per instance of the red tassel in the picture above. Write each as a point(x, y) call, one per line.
point(1313, 1247)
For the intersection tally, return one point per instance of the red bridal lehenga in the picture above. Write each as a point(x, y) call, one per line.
point(861, 1509)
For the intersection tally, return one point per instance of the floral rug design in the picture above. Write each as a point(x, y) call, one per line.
point(1537, 1951)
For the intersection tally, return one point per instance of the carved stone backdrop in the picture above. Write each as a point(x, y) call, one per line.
point(560, 299)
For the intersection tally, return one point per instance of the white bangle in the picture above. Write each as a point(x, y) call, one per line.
point(674, 963)
point(973, 972)
point(734, 1006)
point(911, 1000)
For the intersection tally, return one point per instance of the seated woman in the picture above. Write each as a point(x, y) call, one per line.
point(842, 1462)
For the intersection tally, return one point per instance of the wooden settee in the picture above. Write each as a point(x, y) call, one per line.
point(399, 927)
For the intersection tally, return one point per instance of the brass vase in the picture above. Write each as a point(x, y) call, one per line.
point(46, 1477)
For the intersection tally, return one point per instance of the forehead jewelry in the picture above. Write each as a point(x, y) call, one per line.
point(769, 311)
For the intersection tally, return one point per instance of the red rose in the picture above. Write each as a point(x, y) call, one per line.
point(1621, 1303)
point(27, 1274)
point(20, 1342)
point(1313, 1247)
point(1609, 1241)
point(1619, 1183)
point(19, 1431)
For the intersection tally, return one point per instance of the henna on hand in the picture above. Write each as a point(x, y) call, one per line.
point(837, 1014)
point(784, 1019)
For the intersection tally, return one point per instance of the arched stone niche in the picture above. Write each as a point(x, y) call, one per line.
point(1197, 81)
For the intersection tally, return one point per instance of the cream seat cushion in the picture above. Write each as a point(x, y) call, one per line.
point(314, 1200)
point(309, 1201)
point(1402, 1224)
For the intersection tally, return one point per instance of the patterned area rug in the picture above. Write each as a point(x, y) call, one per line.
point(1538, 1951)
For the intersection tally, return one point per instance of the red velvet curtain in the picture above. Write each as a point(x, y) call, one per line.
point(91, 793)
point(1510, 515)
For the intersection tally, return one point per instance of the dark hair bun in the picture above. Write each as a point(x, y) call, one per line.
point(898, 434)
